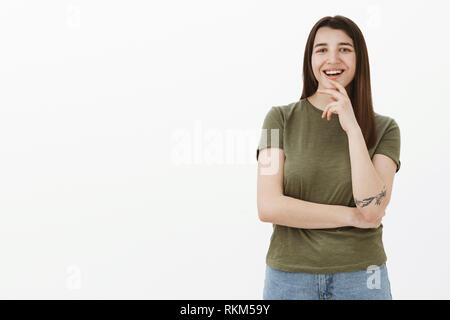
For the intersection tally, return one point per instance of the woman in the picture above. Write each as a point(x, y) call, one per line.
point(326, 167)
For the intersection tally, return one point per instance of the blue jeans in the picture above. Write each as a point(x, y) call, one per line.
point(368, 284)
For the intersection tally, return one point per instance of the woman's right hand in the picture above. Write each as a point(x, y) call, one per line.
point(360, 222)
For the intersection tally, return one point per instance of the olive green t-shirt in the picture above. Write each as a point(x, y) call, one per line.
point(317, 169)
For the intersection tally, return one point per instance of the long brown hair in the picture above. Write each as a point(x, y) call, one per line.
point(360, 90)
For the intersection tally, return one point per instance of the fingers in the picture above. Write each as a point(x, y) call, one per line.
point(331, 83)
point(328, 112)
point(332, 92)
point(338, 86)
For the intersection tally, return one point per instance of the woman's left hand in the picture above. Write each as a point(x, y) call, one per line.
point(342, 106)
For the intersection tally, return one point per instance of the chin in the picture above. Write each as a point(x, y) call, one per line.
point(343, 82)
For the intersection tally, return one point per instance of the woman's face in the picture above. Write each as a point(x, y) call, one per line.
point(333, 50)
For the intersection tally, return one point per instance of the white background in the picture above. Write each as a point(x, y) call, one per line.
point(96, 98)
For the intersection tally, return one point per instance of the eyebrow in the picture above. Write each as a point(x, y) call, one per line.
point(340, 43)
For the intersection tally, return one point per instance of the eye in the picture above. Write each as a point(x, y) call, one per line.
point(321, 50)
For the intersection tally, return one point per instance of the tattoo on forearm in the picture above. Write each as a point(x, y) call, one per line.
point(367, 201)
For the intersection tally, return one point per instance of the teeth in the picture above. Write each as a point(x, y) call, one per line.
point(333, 72)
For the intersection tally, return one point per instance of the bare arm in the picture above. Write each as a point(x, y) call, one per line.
point(292, 212)
point(371, 180)
point(275, 207)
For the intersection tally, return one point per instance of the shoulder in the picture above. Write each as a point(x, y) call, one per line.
point(384, 122)
point(285, 111)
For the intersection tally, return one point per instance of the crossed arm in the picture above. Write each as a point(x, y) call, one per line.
point(371, 182)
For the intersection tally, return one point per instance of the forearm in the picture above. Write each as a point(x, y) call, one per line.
point(293, 212)
point(369, 190)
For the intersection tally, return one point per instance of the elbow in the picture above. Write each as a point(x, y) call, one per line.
point(371, 215)
point(374, 212)
point(264, 214)
point(267, 209)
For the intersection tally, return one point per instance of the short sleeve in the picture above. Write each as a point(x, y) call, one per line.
point(389, 144)
point(272, 130)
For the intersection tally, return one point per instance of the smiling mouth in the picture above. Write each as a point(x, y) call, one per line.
point(335, 74)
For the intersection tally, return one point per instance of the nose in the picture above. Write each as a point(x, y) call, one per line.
point(333, 56)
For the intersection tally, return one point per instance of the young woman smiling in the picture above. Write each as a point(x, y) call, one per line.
point(326, 167)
